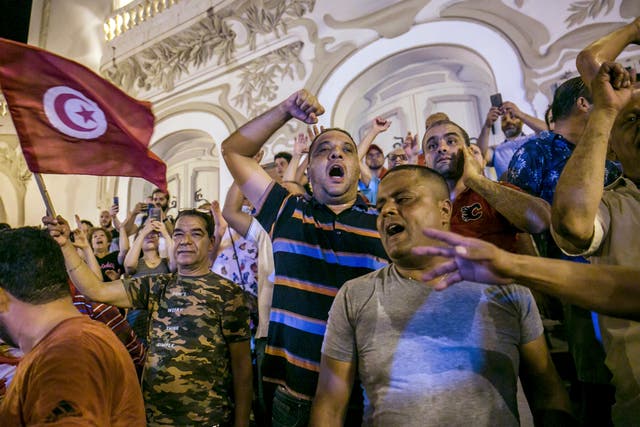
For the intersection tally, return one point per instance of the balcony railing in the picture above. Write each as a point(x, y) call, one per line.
point(134, 14)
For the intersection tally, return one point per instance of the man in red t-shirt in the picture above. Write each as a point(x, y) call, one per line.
point(488, 210)
point(74, 369)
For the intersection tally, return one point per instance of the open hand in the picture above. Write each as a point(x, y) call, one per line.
point(469, 259)
point(80, 240)
point(301, 145)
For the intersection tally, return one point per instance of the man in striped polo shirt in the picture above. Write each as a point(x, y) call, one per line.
point(318, 244)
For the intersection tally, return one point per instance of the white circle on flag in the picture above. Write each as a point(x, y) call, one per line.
point(73, 114)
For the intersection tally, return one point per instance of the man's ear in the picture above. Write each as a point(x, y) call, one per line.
point(583, 104)
point(445, 212)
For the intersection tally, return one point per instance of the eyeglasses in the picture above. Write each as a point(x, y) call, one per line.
point(396, 157)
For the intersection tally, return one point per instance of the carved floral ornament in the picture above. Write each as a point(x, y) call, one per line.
point(212, 38)
point(14, 164)
point(580, 10)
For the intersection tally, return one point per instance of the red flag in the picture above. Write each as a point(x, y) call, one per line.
point(72, 121)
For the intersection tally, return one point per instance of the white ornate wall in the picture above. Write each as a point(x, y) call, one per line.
point(209, 65)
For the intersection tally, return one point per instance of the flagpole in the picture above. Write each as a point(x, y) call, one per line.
point(45, 195)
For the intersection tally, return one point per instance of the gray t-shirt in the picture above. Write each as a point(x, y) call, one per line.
point(428, 358)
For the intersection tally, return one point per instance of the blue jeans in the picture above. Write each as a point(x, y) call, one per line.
point(289, 411)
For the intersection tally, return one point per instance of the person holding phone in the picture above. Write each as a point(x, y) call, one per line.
point(511, 121)
point(109, 221)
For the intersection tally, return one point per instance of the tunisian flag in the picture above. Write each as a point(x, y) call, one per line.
point(72, 121)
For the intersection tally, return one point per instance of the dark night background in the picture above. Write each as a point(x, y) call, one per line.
point(14, 19)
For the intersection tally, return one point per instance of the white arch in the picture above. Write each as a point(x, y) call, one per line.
point(203, 121)
point(487, 43)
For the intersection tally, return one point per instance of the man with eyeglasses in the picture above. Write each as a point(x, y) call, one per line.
point(397, 157)
point(198, 369)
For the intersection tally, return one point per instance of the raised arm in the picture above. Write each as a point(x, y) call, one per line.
point(580, 186)
point(240, 147)
point(130, 221)
point(379, 125)
point(483, 138)
point(607, 289)
point(221, 227)
point(83, 278)
point(299, 158)
point(526, 212)
point(411, 147)
point(232, 210)
point(534, 123)
point(606, 49)
point(332, 395)
point(113, 211)
point(123, 240)
point(81, 242)
point(161, 228)
point(133, 256)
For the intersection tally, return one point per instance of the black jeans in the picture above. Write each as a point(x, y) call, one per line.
point(289, 411)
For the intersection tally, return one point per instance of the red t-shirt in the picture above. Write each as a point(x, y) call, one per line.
point(78, 374)
point(473, 216)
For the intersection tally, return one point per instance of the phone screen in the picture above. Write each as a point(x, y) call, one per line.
point(496, 100)
point(154, 213)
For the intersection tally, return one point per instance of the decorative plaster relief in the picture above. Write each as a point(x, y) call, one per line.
point(529, 36)
point(164, 63)
point(14, 165)
point(259, 84)
point(581, 10)
point(630, 9)
point(389, 22)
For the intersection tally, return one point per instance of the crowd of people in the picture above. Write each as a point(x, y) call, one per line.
point(340, 291)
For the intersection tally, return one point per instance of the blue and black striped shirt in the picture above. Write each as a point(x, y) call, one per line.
point(315, 252)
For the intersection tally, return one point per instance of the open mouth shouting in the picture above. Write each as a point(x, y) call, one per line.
point(336, 172)
point(393, 229)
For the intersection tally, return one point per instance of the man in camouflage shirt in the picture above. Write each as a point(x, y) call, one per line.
point(198, 368)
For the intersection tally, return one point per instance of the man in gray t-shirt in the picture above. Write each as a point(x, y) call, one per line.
point(427, 357)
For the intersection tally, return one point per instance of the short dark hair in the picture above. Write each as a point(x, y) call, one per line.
point(157, 190)
point(205, 216)
point(104, 230)
point(465, 135)
point(440, 190)
point(329, 130)
point(32, 266)
point(565, 97)
point(4, 226)
point(283, 155)
point(86, 222)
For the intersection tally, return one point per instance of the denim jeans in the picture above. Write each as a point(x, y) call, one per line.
point(289, 411)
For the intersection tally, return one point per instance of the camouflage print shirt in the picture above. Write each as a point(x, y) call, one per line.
point(187, 378)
